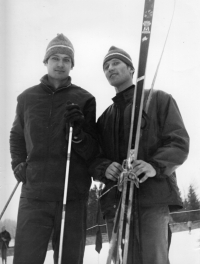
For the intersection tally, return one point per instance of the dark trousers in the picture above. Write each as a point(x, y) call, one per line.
point(4, 254)
point(36, 221)
point(153, 234)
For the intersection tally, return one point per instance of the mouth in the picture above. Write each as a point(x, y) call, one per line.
point(112, 75)
point(59, 71)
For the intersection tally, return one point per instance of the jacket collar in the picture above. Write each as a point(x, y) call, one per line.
point(44, 80)
point(124, 96)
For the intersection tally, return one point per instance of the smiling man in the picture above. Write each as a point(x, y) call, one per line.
point(38, 145)
point(164, 146)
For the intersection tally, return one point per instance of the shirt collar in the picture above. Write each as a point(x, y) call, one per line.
point(44, 80)
point(124, 96)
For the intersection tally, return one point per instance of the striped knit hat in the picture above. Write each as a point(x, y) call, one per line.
point(62, 45)
point(120, 54)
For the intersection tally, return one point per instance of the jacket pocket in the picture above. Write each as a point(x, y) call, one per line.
point(155, 191)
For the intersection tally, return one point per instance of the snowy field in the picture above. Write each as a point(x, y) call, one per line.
point(185, 249)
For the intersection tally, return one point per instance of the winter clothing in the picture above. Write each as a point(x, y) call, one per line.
point(164, 144)
point(74, 116)
point(62, 45)
point(120, 54)
point(4, 243)
point(37, 219)
point(38, 138)
point(38, 141)
point(154, 235)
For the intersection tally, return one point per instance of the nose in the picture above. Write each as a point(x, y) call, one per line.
point(110, 67)
point(60, 63)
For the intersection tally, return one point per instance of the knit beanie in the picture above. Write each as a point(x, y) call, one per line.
point(120, 54)
point(62, 45)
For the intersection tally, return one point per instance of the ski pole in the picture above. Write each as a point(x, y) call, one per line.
point(6, 205)
point(65, 195)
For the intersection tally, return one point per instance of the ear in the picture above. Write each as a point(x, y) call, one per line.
point(46, 62)
point(131, 70)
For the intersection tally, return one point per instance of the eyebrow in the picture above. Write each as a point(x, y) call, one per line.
point(66, 57)
point(116, 59)
point(112, 60)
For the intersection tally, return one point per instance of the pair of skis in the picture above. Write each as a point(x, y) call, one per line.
point(119, 245)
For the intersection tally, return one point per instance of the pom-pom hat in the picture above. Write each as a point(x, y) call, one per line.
point(60, 44)
point(120, 54)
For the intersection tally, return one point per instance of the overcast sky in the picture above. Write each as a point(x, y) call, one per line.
point(93, 26)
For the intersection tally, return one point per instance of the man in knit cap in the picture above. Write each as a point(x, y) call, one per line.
point(163, 146)
point(38, 145)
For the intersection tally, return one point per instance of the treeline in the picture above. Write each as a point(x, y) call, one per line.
point(191, 203)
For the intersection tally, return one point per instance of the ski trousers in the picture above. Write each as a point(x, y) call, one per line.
point(153, 234)
point(39, 221)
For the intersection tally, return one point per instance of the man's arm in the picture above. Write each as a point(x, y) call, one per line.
point(18, 145)
point(172, 144)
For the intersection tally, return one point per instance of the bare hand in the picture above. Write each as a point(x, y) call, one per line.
point(113, 171)
point(140, 166)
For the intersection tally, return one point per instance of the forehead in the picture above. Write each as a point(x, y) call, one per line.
point(113, 60)
point(59, 55)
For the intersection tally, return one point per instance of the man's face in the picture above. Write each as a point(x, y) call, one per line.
point(59, 66)
point(117, 73)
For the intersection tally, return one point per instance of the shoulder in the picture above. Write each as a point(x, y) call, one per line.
point(29, 91)
point(158, 94)
point(107, 112)
point(159, 97)
point(82, 91)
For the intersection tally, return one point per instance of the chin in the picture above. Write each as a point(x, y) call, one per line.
point(61, 77)
point(112, 82)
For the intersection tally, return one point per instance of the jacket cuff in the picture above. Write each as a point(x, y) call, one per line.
point(158, 170)
point(100, 170)
point(78, 138)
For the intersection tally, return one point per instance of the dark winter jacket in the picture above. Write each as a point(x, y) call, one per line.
point(38, 137)
point(164, 143)
point(4, 239)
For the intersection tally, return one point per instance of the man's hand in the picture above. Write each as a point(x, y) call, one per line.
point(20, 172)
point(74, 117)
point(113, 171)
point(142, 167)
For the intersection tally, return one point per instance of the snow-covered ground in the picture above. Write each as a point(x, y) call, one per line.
point(185, 249)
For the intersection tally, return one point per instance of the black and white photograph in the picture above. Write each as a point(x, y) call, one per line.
point(99, 132)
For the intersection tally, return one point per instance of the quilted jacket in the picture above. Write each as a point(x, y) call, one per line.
point(38, 137)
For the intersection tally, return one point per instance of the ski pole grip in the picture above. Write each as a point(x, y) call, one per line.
point(70, 103)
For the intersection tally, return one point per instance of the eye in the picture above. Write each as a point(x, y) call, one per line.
point(54, 58)
point(115, 63)
point(67, 60)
